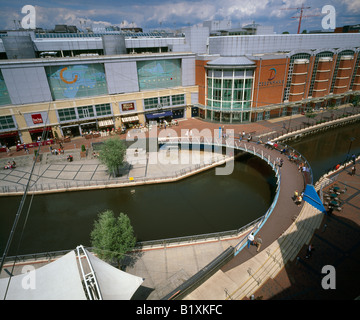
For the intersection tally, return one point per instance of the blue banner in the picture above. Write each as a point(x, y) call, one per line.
point(311, 197)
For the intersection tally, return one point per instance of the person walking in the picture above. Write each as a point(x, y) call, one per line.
point(353, 171)
point(250, 239)
point(258, 243)
point(309, 251)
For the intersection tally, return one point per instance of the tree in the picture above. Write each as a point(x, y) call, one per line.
point(112, 154)
point(112, 237)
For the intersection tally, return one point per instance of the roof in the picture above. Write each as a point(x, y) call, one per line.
point(231, 61)
point(63, 280)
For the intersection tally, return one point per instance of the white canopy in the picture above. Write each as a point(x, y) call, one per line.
point(58, 280)
point(63, 280)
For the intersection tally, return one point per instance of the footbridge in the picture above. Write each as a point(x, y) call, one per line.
point(239, 270)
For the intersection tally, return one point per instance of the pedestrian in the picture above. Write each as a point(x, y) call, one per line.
point(250, 239)
point(353, 170)
point(258, 243)
point(299, 200)
point(309, 251)
point(296, 194)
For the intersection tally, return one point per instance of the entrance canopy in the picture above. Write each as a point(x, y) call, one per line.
point(311, 197)
point(74, 276)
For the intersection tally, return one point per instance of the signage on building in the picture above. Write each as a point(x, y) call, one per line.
point(271, 81)
point(128, 106)
point(37, 118)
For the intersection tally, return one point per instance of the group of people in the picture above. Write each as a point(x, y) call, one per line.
point(252, 241)
point(55, 151)
point(10, 165)
point(243, 136)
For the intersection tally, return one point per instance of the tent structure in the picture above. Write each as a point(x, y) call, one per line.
point(78, 275)
point(311, 196)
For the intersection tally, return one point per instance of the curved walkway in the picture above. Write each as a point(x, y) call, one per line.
point(169, 267)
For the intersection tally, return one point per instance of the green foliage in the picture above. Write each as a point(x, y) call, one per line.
point(112, 237)
point(83, 148)
point(112, 154)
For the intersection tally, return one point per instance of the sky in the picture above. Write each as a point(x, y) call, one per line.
point(174, 14)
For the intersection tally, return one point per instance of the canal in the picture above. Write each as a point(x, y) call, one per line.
point(200, 204)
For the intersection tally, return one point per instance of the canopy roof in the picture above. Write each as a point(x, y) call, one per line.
point(63, 279)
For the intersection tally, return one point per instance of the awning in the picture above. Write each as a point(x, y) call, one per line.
point(159, 115)
point(38, 130)
point(130, 119)
point(311, 197)
point(106, 123)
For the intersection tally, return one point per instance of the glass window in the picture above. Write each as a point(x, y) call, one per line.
point(151, 103)
point(7, 122)
point(85, 112)
point(238, 95)
point(165, 101)
point(238, 84)
point(248, 83)
point(67, 114)
point(217, 94)
point(227, 84)
point(103, 109)
point(217, 83)
point(178, 99)
point(226, 95)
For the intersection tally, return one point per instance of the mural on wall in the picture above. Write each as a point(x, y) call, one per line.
point(4, 94)
point(157, 74)
point(76, 81)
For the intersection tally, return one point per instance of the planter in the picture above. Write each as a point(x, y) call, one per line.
point(82, 154)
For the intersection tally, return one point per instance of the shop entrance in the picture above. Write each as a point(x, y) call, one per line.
point(71, 131)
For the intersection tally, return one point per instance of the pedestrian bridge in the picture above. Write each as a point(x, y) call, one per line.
point(281, 215)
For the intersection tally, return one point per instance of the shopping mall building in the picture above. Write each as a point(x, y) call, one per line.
point(72, 83)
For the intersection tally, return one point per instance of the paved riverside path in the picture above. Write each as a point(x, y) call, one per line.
point(170, 266)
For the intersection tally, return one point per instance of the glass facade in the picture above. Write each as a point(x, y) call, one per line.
point(229, 94)
point(159, 74)
point(4, 94)
point(76, 81)
point(87, 112)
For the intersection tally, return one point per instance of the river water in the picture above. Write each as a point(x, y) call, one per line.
point(200, 204)
point(204, 203)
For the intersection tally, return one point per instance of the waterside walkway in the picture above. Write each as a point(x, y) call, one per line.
point(165, 268)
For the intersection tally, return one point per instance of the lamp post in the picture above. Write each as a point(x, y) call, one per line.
point(348, 153)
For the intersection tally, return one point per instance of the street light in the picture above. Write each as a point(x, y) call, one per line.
point(348, 153)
